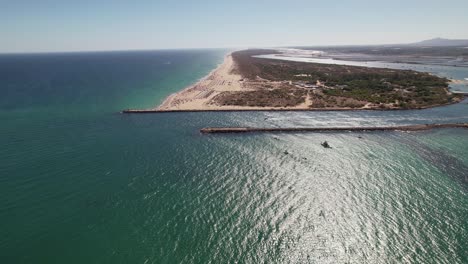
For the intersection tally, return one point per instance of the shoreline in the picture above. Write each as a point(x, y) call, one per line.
point(266, 109)
point(167, 101)
point(273, 109)
point(199, 96)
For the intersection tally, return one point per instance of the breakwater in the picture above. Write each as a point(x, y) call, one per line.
point(217, 130)
point(267, 109)
point(154, 111)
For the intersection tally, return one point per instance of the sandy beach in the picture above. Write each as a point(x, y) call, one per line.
point(199, 95)
point(223, 79)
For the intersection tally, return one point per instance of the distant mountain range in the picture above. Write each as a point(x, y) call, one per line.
point(441, 42)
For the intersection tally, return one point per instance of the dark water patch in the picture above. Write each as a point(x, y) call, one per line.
point(443, 160)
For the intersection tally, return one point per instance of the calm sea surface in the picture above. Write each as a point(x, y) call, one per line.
point(81, 183)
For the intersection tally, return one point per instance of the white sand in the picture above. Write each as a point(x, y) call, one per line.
point(199, 95)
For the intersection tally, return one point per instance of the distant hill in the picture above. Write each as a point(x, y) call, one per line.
point(441, 42)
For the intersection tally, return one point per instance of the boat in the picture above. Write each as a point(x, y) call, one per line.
point(325, 144)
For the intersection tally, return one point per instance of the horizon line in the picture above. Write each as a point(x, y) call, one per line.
point(209, 48)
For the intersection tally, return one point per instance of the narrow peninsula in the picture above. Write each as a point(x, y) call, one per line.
point(246, 82)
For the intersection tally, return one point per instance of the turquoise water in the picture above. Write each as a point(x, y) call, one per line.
point(81, 183)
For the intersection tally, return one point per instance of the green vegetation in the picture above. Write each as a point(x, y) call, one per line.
point(263, 98)
point(336, 85)
point(405, 89)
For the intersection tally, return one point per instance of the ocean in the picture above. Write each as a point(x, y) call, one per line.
point(82, 183)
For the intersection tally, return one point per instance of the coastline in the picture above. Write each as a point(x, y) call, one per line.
point(168, 101)
point(278, 109)
point(199, 96)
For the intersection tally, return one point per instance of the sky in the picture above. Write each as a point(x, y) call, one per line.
point(93, 25)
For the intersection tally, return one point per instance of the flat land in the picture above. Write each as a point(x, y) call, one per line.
point(244, 82)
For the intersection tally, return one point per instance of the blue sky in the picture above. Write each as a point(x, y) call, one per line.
point(71, 25)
